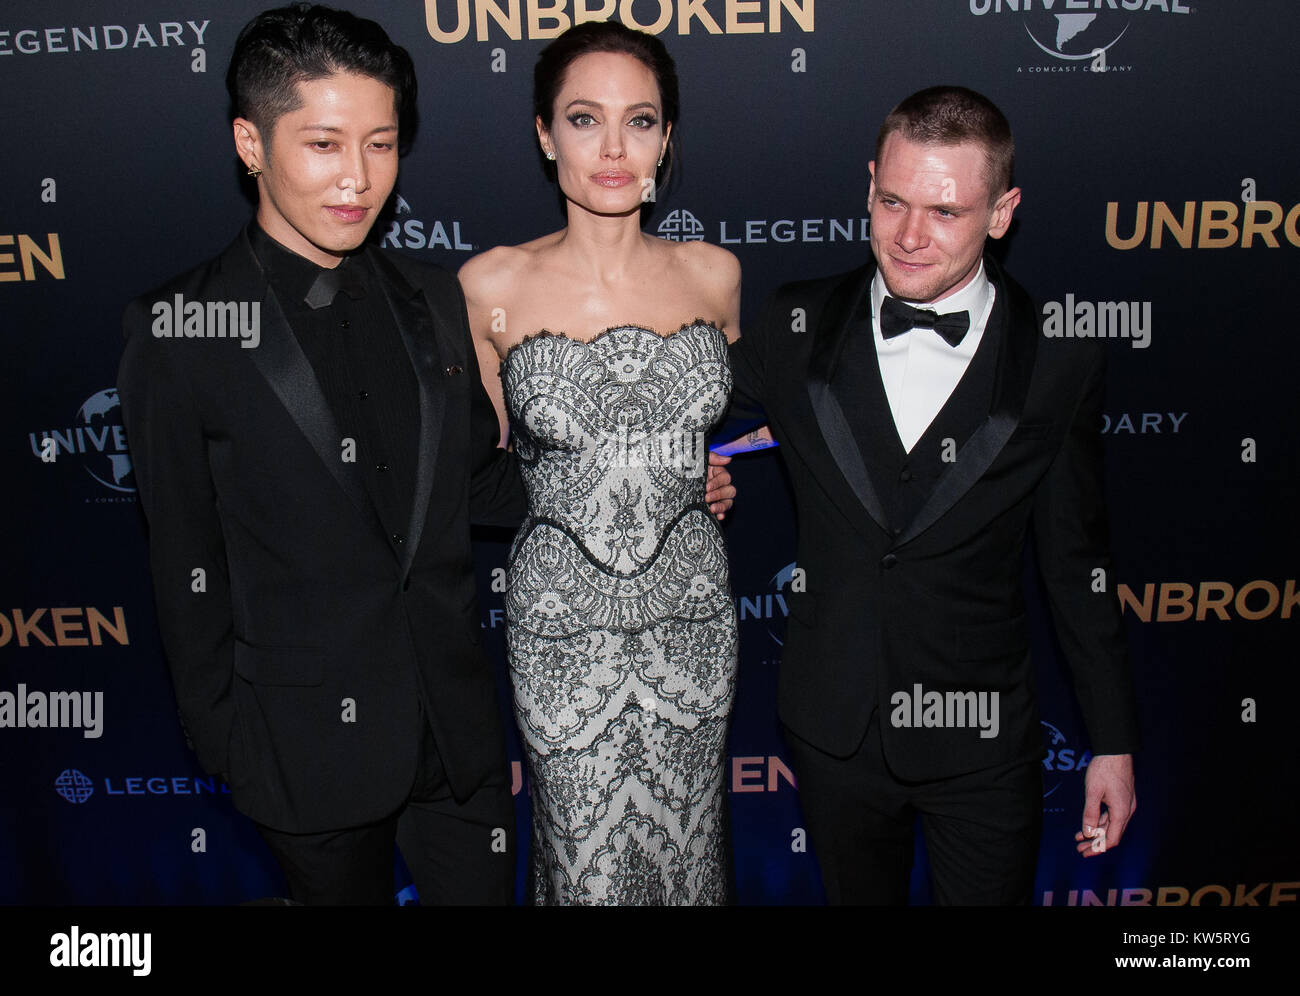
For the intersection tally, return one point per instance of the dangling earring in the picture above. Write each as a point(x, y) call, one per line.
point(254, 171)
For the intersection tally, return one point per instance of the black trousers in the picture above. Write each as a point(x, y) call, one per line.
point(458, 853)
point(981, 829)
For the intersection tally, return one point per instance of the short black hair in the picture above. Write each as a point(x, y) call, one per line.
point(607, 36)
point(280, 48)
point(951, 115)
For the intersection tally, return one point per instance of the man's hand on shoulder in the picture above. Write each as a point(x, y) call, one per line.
point(1109, 782)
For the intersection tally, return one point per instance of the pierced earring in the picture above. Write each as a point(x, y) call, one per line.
point(659, 163)
point(254, 171)
point(550, 156)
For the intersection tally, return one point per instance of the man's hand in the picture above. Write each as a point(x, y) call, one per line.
point(720, 493)
point(1110, 781)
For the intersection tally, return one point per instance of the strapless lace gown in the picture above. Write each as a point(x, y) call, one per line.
point(621, 628)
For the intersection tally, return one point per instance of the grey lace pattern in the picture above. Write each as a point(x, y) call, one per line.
point(621, 627)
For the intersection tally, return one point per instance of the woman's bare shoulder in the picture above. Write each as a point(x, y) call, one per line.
point(496, 270)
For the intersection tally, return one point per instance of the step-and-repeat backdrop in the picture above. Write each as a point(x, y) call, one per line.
point(1159, 162)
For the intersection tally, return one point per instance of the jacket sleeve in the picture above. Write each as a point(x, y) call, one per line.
point(748, 360)
point(169, 456)
point(496, 489)
point(1072, 539)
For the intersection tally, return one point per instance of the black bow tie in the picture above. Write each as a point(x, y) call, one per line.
point(897, 318)
point(328, 283)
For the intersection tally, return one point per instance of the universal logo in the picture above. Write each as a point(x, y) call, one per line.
point(414, 233)
point(1078, 36)
point(1059, 759)
point(97, 439)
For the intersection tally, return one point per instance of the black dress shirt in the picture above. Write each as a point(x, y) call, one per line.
point(362, 366)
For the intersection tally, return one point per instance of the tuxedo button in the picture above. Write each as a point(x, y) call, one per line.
point(888, 561)
point(381, 467)
point(905, 476)
point(453, 370)
point(406, 584)
point(363, 395)
point(345, 325)
point(399, 539)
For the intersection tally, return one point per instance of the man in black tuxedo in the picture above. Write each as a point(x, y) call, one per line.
point(927, 428)
point(309, 484)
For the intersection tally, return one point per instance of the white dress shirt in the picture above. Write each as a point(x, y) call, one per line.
point(919, 369)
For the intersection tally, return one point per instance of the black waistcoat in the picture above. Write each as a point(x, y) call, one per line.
point(903, 479)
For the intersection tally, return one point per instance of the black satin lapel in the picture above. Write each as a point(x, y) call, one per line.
point(1017, 332)
point(1020, 332)
point(411, 310)
point(972, 461)
point(833, 329)
point(280, 359)
point(844, 447)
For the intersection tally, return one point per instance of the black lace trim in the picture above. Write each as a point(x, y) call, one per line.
point(548, 334)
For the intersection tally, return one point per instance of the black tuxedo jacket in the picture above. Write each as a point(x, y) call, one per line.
point(303, 650)
point(916, 578)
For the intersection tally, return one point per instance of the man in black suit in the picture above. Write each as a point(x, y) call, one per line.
point(927, 428)
point(309, 484)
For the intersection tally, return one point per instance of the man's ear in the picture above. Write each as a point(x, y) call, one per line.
point(248, 143)
point(871, 187)
point(544, 137)
point(1003, 208)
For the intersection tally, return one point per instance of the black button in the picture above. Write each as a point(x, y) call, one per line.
point(905, 476)
point(453, 370)
point(381, 467)
point(888, 561)
point(406, 585)
point(399, 539)
point(345, 324)
point(363, 395)
point(897, 530)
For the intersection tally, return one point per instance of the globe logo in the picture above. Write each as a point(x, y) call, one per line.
point(106, 457)
point(1060, 761)
point(681, 226)
point(73, 786)
point(779, 581)
point(1073, 36)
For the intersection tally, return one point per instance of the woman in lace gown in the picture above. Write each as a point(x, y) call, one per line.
point(606, 350)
